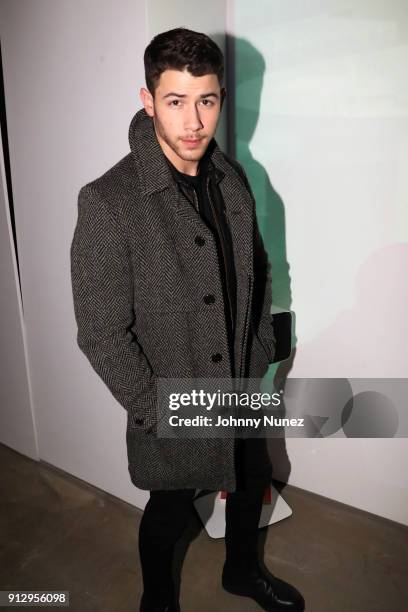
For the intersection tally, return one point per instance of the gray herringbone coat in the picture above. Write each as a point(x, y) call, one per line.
point(141, 261)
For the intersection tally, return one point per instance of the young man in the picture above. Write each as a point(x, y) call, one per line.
point(170, 280)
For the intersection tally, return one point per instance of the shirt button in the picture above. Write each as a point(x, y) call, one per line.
point(216, 357)
point(209, 299)
point(199, 240)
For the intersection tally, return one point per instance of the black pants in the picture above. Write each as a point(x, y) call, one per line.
point(167, 514)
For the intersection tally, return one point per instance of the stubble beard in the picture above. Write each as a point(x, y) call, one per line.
point(185, 155)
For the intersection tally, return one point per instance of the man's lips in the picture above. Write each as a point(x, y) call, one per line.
point(191, 142)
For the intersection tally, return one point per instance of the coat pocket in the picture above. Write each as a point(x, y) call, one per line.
point(258, 357)
point(258, 341)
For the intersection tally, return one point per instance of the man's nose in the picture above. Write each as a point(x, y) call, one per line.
point(192, 119)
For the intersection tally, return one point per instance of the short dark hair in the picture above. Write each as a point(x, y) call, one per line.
point(181, 49)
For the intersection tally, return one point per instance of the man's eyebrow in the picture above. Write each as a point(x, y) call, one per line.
point(178, 95)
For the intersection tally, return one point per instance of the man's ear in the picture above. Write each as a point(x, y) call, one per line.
point(147, 101)
point(223, 94)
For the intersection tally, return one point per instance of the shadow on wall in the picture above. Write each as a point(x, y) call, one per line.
point(245, 75)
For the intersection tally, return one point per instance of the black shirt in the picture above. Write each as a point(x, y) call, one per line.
point(211, 210)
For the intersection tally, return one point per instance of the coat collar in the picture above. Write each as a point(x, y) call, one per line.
point(155, 174)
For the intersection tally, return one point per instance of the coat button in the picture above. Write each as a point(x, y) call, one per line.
point(209, 299)
point(138, 421)
point(216, 357)
point(199, 240)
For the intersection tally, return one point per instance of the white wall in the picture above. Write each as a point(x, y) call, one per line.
point(72, 73)
point(332, 136)
point(17, 428)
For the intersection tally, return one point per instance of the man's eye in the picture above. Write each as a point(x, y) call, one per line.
point(175, 103)
point(207, 102)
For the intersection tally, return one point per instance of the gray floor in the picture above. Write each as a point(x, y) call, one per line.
point(59, 533)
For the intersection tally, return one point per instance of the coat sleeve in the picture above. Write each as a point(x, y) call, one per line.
point(102, 286)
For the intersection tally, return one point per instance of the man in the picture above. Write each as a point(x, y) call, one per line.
point(170, 280)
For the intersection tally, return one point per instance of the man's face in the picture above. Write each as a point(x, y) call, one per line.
point(185, 111)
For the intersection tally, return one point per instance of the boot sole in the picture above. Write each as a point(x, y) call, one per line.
point(235, 590)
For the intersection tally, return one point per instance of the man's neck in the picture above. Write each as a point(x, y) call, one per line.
point(185, 167)
point(191, 171)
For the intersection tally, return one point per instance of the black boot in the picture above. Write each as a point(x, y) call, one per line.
point(271, 593)
point(150, 606)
